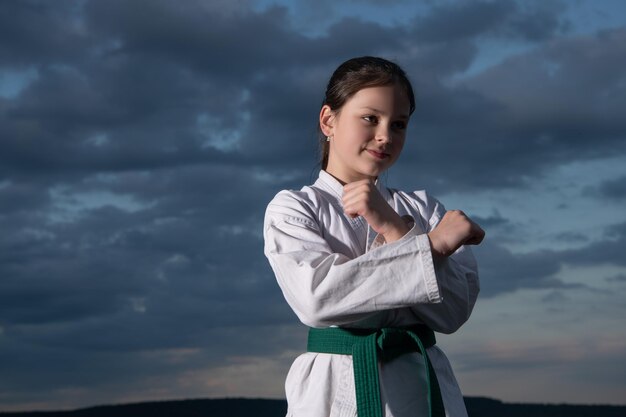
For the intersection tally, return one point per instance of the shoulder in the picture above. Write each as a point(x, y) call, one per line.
point(420, 198)
point(429, 208)
point(296, 205)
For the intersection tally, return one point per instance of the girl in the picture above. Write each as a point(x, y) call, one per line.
point(372, 271)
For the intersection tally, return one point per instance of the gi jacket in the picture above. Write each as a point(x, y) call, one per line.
point(335, 271)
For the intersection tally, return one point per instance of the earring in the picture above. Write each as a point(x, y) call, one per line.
point(328, 138)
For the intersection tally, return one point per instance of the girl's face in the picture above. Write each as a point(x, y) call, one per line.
point(367, 134)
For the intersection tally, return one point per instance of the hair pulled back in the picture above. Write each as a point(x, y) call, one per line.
point(356, 74)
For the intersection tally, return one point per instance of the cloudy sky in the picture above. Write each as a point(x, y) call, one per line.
point(140, 142)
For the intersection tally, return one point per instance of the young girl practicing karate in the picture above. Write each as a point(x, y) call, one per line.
point(373, 271)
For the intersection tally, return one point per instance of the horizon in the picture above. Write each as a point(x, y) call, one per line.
point(168, 400)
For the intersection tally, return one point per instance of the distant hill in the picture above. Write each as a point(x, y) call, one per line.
point(239, 407)
point(487, 407)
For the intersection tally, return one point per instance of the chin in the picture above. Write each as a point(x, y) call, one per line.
point(378, 169)
point(373, 170)
point(374, 173)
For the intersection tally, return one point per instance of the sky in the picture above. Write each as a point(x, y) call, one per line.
point(141, 141)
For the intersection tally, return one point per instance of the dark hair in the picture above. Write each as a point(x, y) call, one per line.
point(356, 74)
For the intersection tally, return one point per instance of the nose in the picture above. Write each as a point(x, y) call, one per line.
point(383, 135)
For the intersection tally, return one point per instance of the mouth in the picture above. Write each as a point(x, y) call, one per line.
point(378, 155)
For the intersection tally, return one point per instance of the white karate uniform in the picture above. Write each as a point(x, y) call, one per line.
point(335, 271)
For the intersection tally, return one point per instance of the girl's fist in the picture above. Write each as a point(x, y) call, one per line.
point(454, 230)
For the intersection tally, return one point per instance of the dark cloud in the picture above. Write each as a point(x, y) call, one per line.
point(463, 20)
point(607, 251)
point(495, 220)
point(617, 278)
point(504, 271)
point(614, 189)
point(195, 83)
point(555, 298)
point(53, 33)
point(490, 131)
point(571, 236)
point(197, 35)
point(22, 197)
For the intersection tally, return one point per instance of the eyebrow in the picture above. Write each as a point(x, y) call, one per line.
point(375, 110)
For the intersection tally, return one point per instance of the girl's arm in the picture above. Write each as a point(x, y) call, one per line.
point(455, 267)
point(326, 288)
point(459, 285)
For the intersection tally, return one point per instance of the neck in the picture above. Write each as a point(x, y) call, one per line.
point(343, 179)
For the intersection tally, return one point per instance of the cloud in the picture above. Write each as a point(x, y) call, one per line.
point(452, 21)
point(614, 189)
point(53, 32)
point(489, 131)
point(606, 251)
point(198, 107)
point(617, 278)
point(495, 220)
point(503, 271)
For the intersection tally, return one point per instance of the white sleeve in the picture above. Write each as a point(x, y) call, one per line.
point(325, 288)
point(457, 276)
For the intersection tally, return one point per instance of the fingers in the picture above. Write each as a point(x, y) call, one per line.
point(358, 197)
point(476, 233)
point(477, 236)
point(356, 190)
point(362, 198)
point(454, 230)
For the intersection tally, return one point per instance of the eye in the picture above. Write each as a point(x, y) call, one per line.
point(371, 119)
point(399, 125)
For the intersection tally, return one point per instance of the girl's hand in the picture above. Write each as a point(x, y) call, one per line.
point(454, 230)
point(361, 198)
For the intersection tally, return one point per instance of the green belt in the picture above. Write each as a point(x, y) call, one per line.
point(367, 346)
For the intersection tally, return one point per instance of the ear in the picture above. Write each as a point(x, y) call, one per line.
point(327, 120)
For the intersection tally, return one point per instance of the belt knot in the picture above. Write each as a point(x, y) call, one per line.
point(393, 342)
point(367, 347)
